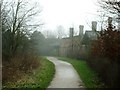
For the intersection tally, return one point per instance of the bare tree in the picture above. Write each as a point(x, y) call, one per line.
point(112, 7)
point(16, 21)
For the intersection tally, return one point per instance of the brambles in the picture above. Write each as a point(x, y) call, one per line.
point(105, 55)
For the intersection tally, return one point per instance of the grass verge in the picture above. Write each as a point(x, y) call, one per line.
point(88, 76)
point(39, 78)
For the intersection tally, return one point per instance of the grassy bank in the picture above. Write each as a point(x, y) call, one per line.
point(39, 78)
point(88, 76)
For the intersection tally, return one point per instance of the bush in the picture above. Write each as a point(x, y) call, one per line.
point(16, 67)
point(106, 70)
point(105, 56)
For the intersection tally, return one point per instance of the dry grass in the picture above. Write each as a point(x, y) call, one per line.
point(17, 67)
point(37, 79)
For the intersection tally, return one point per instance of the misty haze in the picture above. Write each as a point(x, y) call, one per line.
point(60, 44)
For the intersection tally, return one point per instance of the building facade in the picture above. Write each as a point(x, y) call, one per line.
point(76, 46)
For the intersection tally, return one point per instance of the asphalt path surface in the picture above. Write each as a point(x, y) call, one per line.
point(65, 75)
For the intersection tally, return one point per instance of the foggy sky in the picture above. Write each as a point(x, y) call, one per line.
point(69, 13)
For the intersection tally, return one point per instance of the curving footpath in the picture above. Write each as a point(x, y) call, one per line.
point(65, 75)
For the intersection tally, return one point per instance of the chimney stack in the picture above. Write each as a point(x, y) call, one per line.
point(71, 32)
point(94, 26)
point(81, 27)
point(118, 22)
point(109, 22)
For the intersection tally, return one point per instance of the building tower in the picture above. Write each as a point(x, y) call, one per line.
point(94, 26)
point(81, 27)
point(71, 32)
point(110, 22)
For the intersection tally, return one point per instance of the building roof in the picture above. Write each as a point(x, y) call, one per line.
point(92, 35)
point(89, 36)
point(74, 37)
point(86, 38)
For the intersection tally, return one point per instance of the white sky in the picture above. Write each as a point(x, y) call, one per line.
point(68, 13)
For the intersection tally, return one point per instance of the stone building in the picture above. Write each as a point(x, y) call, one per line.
point(90, 36)
point(77, 46)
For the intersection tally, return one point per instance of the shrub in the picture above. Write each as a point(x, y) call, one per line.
point(16, 67)
point(105, 55)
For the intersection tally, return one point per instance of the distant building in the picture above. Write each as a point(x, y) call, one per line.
point(90, 36)
point(77, 46)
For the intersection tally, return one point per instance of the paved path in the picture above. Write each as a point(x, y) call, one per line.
point(65, 75)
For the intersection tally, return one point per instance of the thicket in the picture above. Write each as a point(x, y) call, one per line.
point(24, 58)
point(105, 56)
point(19, 52)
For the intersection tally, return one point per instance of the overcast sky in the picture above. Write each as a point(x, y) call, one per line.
point(68, 13)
